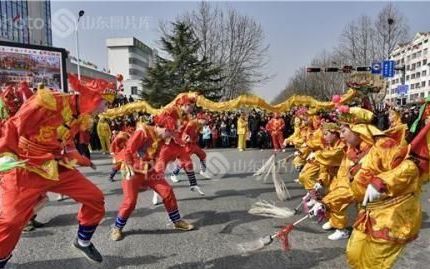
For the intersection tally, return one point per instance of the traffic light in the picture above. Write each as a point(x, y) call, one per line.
point(364, 69)
point(344, 69)
point(331, 69)
point(347, 69)
point(313, 69)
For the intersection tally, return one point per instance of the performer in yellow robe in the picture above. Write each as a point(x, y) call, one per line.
point(389, 184)
point(338, 197)
point(323, 164)
point(330, 157)
point(387, 188)
point(301, 131)
point(292, 139)
point(104, 133)
point(397, 129)
point(242, 130)
point(314, 141)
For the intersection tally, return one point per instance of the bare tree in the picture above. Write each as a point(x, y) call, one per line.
point(391, 30)
point(357, 44)
point(233, 41)
point(321, 86)
point(362, 41)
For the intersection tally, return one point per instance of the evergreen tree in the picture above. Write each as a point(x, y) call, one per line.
point(183, 72)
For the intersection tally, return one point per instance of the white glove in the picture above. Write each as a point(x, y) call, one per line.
point(7, 159)
point(311, 156)
point(318, 186)
point(307, 197)
point(317, 209)
point(296, 153)
point(371, 195)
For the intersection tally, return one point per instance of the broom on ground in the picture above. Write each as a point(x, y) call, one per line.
point(262, 242)
point(265, 166)
point(266, 209)
point(280, 187)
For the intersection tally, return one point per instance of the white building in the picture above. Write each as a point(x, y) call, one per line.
point(415, 57)
point(88, 70)
point(27, 22)
point(131, 58)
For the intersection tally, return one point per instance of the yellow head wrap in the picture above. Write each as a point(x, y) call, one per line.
point(358, 119)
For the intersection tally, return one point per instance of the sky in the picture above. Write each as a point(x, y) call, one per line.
point(295, 31)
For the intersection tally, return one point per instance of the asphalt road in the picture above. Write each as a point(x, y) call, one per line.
point(221, 217)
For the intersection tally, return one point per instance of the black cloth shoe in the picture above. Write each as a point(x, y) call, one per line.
point(4, 261)
point(37, 224)
point(90, 252)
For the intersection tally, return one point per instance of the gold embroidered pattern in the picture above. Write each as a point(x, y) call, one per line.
point(45, 98)
point(66, 112)
point(46, 134)
point(63, 133)
point(48, 170)
point(154, 146)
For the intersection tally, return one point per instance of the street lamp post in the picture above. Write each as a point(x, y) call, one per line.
point(80, 14)
point(390, 22)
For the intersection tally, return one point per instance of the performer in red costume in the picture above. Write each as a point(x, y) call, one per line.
point(276, 126)
point(190, 136)
point(12, 99)
point(41, 133)
point(139, 154)
point(174, 147)
point(118, 144)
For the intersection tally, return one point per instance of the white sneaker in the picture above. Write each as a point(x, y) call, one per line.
point(327, 226)
point(155, 200)
point(339, 234)
point(205, 174)
point(61, 197)
point(310, 203)
point(284, 150)
point(197, 188)
point(174, 178)
point(296, 180)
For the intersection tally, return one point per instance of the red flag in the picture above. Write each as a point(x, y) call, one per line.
point(419, 148)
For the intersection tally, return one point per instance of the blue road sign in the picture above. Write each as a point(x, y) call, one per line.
point(402, 89)
point(388, 68)
point(376, 68)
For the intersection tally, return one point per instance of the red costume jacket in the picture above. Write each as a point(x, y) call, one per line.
point(275, 126)
point(42, 132)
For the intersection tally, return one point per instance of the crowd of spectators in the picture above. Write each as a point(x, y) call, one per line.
point(221, 129)
point(219, 132)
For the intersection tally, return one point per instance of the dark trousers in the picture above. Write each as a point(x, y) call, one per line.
point(84, 150)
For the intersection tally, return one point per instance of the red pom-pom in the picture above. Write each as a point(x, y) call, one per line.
point(335, 99)
point(343, 109)
point(283, 236)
